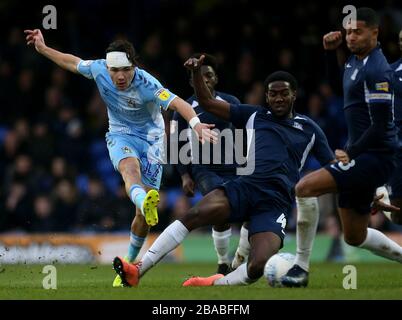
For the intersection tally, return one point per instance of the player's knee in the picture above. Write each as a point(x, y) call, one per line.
point(304, 189)
point(354, 240)
point(129, 167)
point(255, 268)
point(194, 219)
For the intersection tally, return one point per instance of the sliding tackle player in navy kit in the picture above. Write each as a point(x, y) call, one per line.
point(282, 140)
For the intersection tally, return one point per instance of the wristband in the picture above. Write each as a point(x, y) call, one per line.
point(194, 121)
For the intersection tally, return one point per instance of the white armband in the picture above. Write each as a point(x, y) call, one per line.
point(194, 121)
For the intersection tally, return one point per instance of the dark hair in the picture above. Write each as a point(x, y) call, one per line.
point(209, 60)
point(369, 16)
point(124, 46)
point(281, 76)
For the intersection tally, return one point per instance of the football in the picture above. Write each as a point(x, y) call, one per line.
point(277, 266)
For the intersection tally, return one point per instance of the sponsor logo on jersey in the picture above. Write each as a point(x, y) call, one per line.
point(382, 86)
point(162, 94)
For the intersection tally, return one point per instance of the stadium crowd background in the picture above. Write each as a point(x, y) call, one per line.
point(55, 173)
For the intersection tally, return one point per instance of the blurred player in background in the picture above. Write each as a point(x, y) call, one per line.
point(280, 142)
point(367, 163)
point(395, 184)
point(208, 176)
point(136, 128)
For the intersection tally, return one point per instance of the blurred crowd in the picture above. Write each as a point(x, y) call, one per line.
point(55, 173)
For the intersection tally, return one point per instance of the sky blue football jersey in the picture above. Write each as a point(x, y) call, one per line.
point(136, 110)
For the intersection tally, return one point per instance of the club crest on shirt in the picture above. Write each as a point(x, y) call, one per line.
point(382, 86)
point(297, 125)
point(131, 102)
point(127, 150)
point(162, 94)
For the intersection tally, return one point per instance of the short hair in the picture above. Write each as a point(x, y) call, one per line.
point(281, 76)
point(209, 60)
point(369, 16)
point(124, 46)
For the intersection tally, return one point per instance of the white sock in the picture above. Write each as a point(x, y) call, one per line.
point(168, 240)
point(307, 221)
point(237, 277)
point(222, 242)
point(379, 244)
point(137, 195)
point(383, 190)
point(243, 249)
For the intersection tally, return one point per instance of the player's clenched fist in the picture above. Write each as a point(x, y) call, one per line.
point(332, 40)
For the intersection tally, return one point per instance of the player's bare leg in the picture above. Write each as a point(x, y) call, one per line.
point(263, 245)
point(315, 184)
point(129, 169)
point(309, 187)
point(357, 233)
point(213, 209)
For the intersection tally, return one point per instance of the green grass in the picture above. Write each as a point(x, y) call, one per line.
point(374, 281)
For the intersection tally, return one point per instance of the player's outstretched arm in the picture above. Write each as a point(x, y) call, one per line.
point(187, 112)
point(217, 107)
point(64, 60)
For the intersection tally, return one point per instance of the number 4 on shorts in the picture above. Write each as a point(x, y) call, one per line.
point(282, 220)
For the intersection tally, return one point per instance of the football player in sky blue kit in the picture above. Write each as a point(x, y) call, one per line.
point(368, 161)
point(395, 184)
point(279, 141)
point(209, 175)
point(134, 99)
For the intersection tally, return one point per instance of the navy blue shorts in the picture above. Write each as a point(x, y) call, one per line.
point(395, 183)
point(358, 180)
point(208, 180)
point(265, 207)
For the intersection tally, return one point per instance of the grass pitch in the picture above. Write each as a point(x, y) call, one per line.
point(374, 281)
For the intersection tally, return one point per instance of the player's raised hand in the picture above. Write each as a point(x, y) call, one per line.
point(378, 205)
point(342, 156)
point(194, 64)
point(35, 37)
point(332, 40)
point(205, 133)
